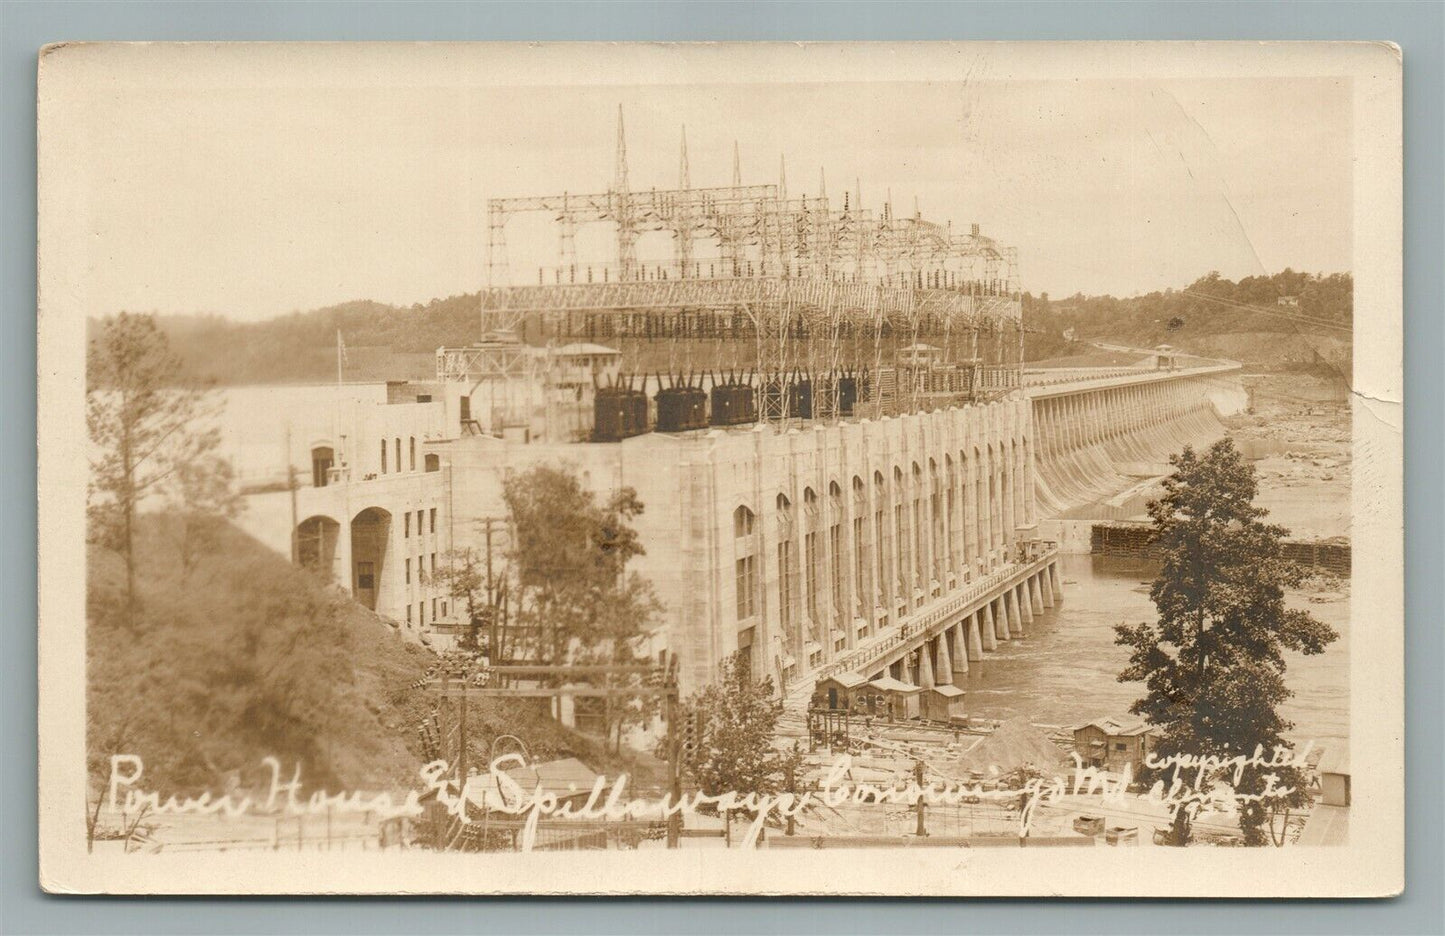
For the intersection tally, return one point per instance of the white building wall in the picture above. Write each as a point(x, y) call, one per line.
point(692, 484)
point(354, 422)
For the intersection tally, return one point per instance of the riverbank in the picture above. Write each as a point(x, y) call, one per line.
point(1301, 450)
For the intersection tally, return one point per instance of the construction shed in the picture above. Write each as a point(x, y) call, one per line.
point(1334, 772)
point(899, 699)
point(568, 779)
point(836, 692)
point(943, 703)
point(1113, 743)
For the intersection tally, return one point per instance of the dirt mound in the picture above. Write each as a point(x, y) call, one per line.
point(1014, 743)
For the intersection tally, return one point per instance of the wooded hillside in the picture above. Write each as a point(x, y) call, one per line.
point(1212, 315)
point(1243, 321)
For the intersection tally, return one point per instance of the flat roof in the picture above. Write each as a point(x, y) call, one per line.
point(848, 680)
point(563, 777)
point(1117, 725)
point(1335, 761)
point(1326, 825)
point(889, 684)
point(583, 347)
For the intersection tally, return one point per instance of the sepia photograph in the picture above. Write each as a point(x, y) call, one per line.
point(488, 468)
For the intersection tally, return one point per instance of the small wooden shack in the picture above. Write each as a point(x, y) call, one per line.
point(899, 699)
point(1334, 772)
point(943, 703)
point(835, 692)
point(1113, 744)
point(568, 779)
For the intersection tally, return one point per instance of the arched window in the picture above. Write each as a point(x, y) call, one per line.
point(920, 530)
point(935, 518)
point(398, 454)
point(965, 511)
point(787, 586)
point(978, 537)
point(743, 522)
point(993, 515)
point(744, 547)
point(950, 512)
point(322, 458)
point(900, 531)
point(862, 600)
point(889, 543)
point(835, 548)
point(383, 456)
point(812, 561)
point(411, 458)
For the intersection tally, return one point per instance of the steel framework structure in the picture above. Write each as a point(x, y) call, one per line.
point(782, 287)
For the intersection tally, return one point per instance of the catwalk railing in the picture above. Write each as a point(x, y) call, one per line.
point(918, 626)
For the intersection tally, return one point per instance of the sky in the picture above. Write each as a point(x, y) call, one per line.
point(252, 200)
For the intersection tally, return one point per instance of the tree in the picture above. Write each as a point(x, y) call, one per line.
point(464, 576)
point(736, 751)
point(578, 603)
point(1213, 663)
point(202, 497)
point(148, 430)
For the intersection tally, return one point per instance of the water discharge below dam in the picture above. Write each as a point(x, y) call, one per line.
point(1064, 671)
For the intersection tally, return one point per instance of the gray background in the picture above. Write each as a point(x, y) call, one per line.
point(1418, 27)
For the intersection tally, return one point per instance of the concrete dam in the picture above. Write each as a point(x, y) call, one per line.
point(829, 546)
point(1103, 438)
point(1097, 441)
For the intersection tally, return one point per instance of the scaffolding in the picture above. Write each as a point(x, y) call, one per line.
point(823, 308)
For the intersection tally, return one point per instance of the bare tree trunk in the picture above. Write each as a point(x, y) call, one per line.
point(128, 547)
point(127, 506)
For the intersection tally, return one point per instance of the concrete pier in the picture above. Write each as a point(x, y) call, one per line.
point(1015, 619)
point(975, 642)
point(945, 636)
point(959, 651)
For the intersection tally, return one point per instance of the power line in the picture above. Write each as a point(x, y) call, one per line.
point(1262, 310)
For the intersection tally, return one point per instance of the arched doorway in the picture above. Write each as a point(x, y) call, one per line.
point(316, 539)
point(370, 543)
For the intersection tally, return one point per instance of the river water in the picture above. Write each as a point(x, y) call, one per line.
point(1064, 671)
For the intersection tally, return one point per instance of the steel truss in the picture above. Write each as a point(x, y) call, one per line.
point(789, 288)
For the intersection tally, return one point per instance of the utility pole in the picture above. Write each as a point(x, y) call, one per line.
point(792, 788)
point(672, 706)
point(462, 748)
point(918, 780)
point(291, 488)
point(493, 652)
point(495, 682)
